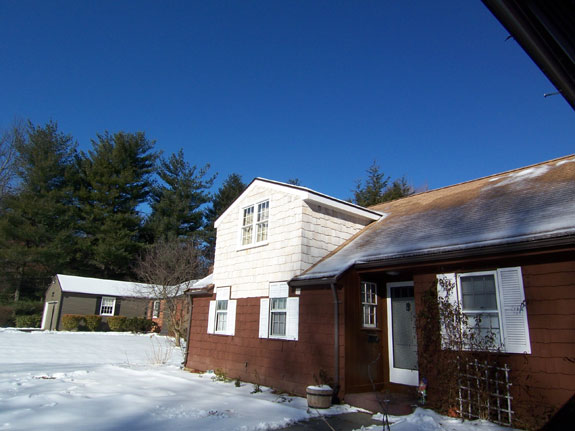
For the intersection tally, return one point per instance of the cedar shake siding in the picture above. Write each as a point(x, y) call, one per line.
point(286, 365)
point(544, 380)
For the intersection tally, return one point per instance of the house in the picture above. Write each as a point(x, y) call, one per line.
point(308, 288)
point(69, 294)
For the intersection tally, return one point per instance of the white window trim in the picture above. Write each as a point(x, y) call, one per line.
point(511, 304)
point(497, 294)
point(279, 290)
point(113, 299)
point(222, 294)
point(254, 242)
point(370, 304)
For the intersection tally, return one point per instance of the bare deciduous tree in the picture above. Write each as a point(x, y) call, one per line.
point(168, 268)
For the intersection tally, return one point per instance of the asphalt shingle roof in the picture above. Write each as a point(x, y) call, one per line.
point(525, 204)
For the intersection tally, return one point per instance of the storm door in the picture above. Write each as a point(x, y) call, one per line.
point(402, 339)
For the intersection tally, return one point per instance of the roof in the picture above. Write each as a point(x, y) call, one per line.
point(202, 285)
point(99, 286)
point(307, 195)
point(516, 207)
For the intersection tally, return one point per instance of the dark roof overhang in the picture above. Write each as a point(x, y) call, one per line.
point(545, 29)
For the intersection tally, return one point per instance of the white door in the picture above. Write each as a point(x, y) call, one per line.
point(402, 338)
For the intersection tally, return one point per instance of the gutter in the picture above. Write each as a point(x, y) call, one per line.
point(534, 43)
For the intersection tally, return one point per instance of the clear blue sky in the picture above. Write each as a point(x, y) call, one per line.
point(311, 89)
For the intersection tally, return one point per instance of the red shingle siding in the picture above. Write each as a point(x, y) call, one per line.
point(286, 365)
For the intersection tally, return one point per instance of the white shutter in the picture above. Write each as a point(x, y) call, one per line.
point(292, 319)
point(231, 321)
point(279, 290)
point(451, 296)
point(212, 317)
point(513, 311)
point(264, 317)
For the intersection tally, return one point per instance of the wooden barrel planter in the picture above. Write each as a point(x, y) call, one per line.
point(319, 397)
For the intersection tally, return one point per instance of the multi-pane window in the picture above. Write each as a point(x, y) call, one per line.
point(221, 315)
point(248, 225)
point(107, 306)
point(255, 223)
point(479, 304)
point(369, 304)
point(156, 310)
point(262, 221)
point(278, 315)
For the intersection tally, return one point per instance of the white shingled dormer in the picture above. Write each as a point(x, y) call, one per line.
point(274, 231)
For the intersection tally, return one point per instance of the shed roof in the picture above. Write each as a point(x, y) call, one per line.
point(99, 286)
point(518, 206)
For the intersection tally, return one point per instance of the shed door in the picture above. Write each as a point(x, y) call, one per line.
point(49, 314)
point(402, 339)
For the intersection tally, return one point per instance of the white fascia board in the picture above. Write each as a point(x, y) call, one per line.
point(306, 195)
point(343, 206)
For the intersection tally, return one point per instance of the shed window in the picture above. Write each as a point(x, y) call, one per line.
point(107, 306)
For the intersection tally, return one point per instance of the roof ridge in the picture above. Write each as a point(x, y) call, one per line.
point(475, 180)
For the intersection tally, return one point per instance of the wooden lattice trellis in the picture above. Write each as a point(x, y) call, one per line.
point(484, 392)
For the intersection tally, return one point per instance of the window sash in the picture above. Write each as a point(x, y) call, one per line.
point(255, 227)
point(107, 306)
point(369, 304)
point(479, 304)
point(156, 310)
point(278, 317)
point(221, 315)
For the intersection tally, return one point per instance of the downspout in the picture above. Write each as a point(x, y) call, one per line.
point(335, 341)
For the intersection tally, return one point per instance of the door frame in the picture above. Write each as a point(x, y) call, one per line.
point(398, 375)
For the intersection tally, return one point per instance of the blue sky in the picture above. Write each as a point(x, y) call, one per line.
point(316, 90)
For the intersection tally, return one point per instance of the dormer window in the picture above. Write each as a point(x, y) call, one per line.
point(255, 223)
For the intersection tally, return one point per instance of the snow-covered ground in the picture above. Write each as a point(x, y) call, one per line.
point(117, 381)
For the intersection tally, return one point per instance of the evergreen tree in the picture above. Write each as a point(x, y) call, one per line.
point(377, 189)
point(176, 201)
point(229, 191)
point(398, 189)
point(38, 220)
point(117, 180)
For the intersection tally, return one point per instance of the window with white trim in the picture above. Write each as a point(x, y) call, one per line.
point(156, 309)
point(369, 304)
point(222, 313)
point(279, 314)
point(478, 293)
point(221, 316)
point(278, 317)
point(255, 220)
point(493, 304)
point(107, 306)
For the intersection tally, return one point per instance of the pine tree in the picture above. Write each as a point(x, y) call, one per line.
point(38, 234)
point(377, 189)
point(177, 200)
point(117, 180)
point(229, 191)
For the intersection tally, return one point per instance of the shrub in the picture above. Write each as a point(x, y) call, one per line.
point(72, 322)
point(26, 308)
point(117, 323)
point(138, 324)
point(28, 321)
point(93, 322)
point(6, 316)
